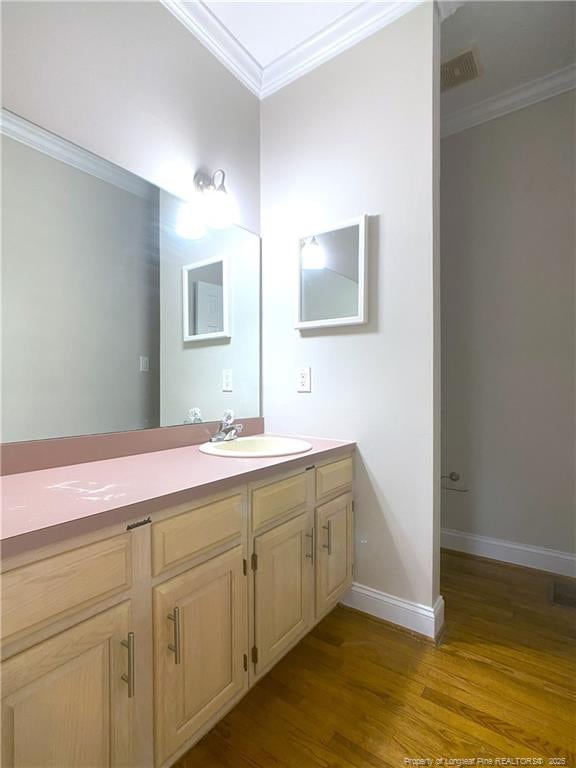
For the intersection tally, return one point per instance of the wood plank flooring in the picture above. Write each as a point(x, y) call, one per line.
point(357, 692)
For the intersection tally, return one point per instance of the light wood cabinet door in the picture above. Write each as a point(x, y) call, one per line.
point(283, 588)
point(334, 548)
point(200, 638)
point(64, 702)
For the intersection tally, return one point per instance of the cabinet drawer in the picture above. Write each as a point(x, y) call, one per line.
point(333, 477)
point(191, 533)
point(40, 592)
point(276, 499)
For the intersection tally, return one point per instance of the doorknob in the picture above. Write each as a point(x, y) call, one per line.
point(453, 476)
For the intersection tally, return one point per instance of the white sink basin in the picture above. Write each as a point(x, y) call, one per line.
point(258, 446)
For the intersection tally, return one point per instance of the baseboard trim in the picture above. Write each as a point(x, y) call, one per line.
point(423, 619)
point(543, 559)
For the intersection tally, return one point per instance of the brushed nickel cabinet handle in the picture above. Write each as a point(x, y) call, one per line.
point(175, 646)
point(129, 678)
point(312, 537)
point(328, 528)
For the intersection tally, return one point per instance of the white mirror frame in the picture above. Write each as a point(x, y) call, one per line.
point(362, 317)
point(225, 332)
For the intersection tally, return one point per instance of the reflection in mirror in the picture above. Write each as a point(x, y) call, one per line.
point(92, 300)
point(205, 300)
point(332, 277)
point(219, 369)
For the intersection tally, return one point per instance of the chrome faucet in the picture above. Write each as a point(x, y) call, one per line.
point(227, 429)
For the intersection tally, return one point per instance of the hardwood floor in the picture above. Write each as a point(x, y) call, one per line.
point(357, 692)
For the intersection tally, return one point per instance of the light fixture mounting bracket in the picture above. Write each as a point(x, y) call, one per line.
point(202, 180)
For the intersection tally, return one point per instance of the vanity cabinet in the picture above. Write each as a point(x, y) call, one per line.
point(124, 646)
point(283, 563)
point(66, 701)
point(200, 648)
point(334, 551)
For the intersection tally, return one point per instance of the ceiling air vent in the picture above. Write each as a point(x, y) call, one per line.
point(458, 70)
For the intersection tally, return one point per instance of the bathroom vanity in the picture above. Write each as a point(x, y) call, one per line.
point(140, 616)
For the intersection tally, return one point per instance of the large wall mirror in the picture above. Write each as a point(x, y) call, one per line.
point(113, 317)
point(332, 276)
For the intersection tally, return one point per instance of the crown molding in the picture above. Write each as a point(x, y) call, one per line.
point(207, 28)
point(509, 101)
point(19, 129)
point(357, 24)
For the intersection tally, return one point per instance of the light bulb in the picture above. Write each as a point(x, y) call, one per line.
point(313, 256)
point(218, 208)
point(190, 221)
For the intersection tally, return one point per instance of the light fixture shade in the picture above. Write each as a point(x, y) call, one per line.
point(312, 255)
point(218, 208)
point(190, 220)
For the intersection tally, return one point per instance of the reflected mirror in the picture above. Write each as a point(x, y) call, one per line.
point(97, 276)
point(331, 276)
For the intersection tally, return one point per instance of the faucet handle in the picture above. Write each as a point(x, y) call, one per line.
point(228, 417)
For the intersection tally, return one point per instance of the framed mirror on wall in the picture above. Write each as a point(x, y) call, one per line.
point(114, 317)
point(205, 313)
point(332, 266)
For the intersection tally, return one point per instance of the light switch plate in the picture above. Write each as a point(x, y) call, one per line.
point(304, 380)
point(144, 364)
point(227, 380)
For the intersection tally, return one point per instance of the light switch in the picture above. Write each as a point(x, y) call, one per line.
point(144, 364)
point(227, 380)
point(304, 380)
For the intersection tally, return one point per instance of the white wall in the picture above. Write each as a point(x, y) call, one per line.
point(191, 372)
point(74, 246)
point(128, 82)
point(508, 253)
point(356, 136)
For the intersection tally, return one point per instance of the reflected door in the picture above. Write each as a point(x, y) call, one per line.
point(209, 308)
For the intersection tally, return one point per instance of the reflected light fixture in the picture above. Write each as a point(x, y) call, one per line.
point(312, 254)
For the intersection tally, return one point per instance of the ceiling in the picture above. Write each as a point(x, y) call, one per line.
point(268, 30)
point(517, 43)
point(269, 43)
point(526, 48)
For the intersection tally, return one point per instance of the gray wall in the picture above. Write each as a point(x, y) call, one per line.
point(191, 372)
point(127, 81)
point(79, 301)
point(356, 136)
point(508, 251)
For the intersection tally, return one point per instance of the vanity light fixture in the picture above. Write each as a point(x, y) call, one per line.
point(217, 204)
point(190, 221)
point(210, 208)
point(312, 254)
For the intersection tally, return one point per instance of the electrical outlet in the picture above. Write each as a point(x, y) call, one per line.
point(304, 380)
point(227, 380)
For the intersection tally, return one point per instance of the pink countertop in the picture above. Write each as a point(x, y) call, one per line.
point(50, 504)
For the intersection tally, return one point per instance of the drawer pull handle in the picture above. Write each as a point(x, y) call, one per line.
point(312, 536)
point(175, 646)
point(129, 678)
point(328, 545)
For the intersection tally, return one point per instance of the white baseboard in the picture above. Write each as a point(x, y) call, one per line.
point(551, 560)
point(423, 619)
